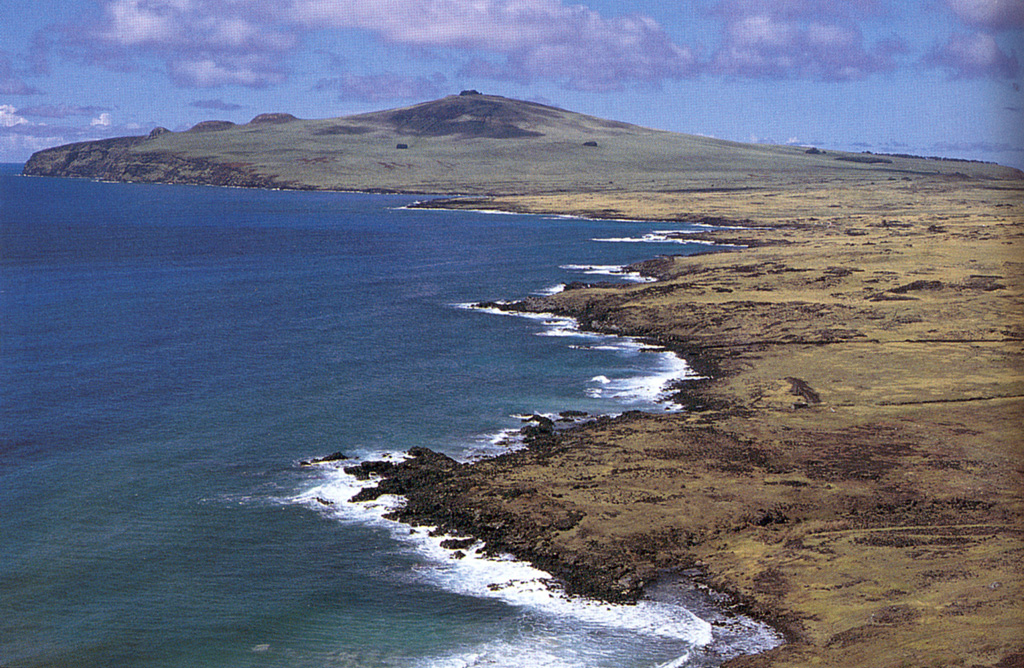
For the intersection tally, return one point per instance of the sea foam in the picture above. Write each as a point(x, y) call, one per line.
point(618, 271)
point(517, 584)
point(649, 388)
point(657, 237)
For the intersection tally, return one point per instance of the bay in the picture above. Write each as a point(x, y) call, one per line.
point(169, 354)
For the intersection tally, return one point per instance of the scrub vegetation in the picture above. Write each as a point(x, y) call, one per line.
point(461, 144)
point(850, 464)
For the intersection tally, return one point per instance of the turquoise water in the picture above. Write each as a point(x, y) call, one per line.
point(169, 354)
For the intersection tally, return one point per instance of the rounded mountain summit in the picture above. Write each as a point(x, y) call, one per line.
point(469, 143)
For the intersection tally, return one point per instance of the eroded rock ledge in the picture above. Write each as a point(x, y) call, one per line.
point(112, 160)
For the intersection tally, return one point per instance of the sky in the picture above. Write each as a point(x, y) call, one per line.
point(926, 77)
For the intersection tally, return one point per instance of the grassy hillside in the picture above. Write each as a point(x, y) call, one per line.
point(471, 144)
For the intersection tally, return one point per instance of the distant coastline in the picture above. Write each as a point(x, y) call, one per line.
point(848, 468)
point(481, 145)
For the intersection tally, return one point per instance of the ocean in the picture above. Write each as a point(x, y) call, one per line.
point(168, 356)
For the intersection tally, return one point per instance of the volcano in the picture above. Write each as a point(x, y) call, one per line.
point(467, 144)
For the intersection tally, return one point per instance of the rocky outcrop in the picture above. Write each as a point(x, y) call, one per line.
point(442, 493)
point(91, 159)
point(113, 160)
point(211, 126)
point(333, 457)
point(272, 119)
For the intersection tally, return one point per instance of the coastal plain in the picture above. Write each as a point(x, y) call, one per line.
point(849, 465)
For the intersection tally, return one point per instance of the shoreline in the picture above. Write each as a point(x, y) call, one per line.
point(667, 390)
point(675, 609)
point(800, 469)
point(854, 465)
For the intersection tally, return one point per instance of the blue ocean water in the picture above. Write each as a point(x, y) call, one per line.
point(169, 353)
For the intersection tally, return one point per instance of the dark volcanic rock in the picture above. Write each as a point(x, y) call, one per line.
point(470, 116)
point(539, 427)
point(114, 160)
point(424, 468)
point(457, 543)
point(800, 388)
point(333, 457)
point(917, 285)
point(365, 470)
point(441, 493)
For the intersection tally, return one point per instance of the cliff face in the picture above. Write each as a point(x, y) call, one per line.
point(113, 160)
point(92, 158)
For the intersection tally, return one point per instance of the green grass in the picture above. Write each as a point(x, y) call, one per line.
point(494, 145)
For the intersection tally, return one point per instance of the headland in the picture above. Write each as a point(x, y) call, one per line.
point(851, 466)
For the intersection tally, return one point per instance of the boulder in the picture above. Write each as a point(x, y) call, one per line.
point(333, 457)
point(457, 543)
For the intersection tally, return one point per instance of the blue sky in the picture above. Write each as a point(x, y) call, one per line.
point(929, 77)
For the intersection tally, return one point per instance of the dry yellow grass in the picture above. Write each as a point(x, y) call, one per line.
point(852, 469)
point(856, 473)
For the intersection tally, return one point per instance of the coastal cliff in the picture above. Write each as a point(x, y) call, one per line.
point(115, 160)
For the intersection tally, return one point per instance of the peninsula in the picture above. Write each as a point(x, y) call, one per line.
point(467, 144)
point(851, 465)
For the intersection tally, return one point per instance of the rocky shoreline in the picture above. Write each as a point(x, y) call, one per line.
point(850, 468)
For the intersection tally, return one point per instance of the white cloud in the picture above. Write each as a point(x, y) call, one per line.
point(799, 38)
point(210, 72)
point(210, 43)
point(9, 116)
point(537, 38)
point(134, 22)
point(973, 56)
point(102, 121)
point(994, 14)
point(204, 43)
